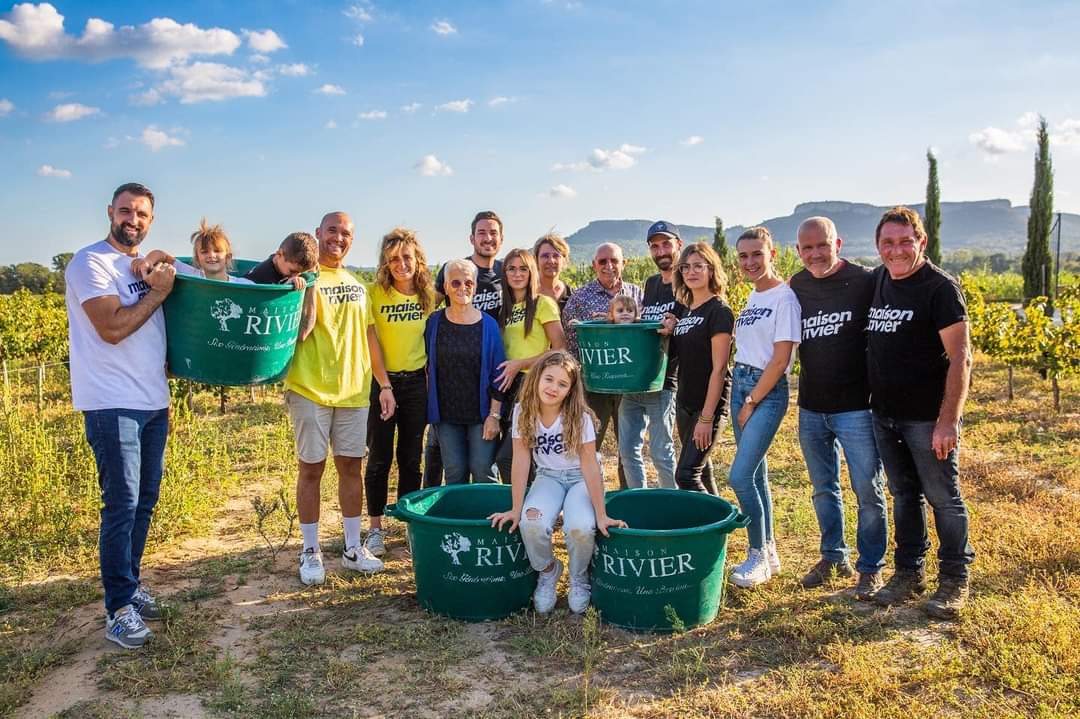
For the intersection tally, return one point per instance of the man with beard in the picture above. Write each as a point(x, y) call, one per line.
point(655, 411)
point(116, 332)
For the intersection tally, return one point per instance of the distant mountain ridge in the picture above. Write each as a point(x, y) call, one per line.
point(985, 225)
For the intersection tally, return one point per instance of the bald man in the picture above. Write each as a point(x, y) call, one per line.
point(327, 392)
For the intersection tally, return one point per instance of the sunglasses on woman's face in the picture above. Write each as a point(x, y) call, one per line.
point(467, 284)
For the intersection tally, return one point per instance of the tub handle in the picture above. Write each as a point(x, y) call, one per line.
point(741, 521)
point(391, 509)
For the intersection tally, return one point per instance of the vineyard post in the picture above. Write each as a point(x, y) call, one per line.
point(7, 387)
point(40, 384)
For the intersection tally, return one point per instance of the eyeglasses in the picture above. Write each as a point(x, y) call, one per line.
point(695, 266)
point(457, 284)
point(608, 261)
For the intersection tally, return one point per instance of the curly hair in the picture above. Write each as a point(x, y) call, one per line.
point(210, 237)
point(394, 242)
point(717, 275)
point(574, 409)
point(532, 290)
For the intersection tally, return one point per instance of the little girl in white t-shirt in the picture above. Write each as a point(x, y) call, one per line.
point(212, 257)
point(554, 428)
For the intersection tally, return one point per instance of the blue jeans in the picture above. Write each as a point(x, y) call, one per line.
point(465, 452)
point(129, 450)
point(821, 436)
point(749, 473)
point(655, 411)
point(915, 473)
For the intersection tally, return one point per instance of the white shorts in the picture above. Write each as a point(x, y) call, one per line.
point(317, 427)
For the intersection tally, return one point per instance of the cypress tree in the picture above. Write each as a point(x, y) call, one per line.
point(719, 241)
point(932, 218)
point(1036, 264)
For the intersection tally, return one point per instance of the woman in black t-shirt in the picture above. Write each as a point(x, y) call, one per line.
point(702, 341)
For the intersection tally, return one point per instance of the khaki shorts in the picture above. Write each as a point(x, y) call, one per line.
point(317, 427)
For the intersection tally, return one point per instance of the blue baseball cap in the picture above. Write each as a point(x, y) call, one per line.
point(661, 227)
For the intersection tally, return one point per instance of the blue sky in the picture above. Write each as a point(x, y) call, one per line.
point(264, 115)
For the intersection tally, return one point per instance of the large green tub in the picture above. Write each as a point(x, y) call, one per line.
point(668, 566)
point(620, 358)
point(465, 569)
point(228, 333)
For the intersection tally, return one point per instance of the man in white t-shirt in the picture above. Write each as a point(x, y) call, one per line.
point(117, 335)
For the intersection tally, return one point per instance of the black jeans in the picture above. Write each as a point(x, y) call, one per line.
point(410, 418)
point(694, 470)
point(606, 407)
point(433, 466)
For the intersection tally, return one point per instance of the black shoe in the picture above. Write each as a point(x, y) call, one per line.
point(949, 599)
point(905, 584)
point(869, 584)
point(824, 571)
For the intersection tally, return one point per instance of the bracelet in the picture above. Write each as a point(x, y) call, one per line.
point(706, 420)
point(385, 387)
point(494, 415)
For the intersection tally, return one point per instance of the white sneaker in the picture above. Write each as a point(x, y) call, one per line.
point(544, 596)
point(311, 567)
point(360, 559)
point(579, 596)
point(774, 557)
point(752, 572)
point(375, 542)
point(126, 628)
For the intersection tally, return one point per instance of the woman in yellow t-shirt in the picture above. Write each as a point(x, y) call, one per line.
point(402, 297)
point(530, 327)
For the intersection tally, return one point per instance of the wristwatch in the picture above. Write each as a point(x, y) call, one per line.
point(750, 400)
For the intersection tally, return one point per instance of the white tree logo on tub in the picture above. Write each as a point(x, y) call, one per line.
point(454, 544)
point(223, 310)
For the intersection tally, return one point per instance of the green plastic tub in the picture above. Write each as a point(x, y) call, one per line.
point(620, 358)
point(231, 334)
point(667, 569)
point(465, 569)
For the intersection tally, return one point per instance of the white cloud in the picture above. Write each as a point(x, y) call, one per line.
point(995, 141)
point(264, 41)
point(1066, 132)
point(146, 99)
point(360, 13)
point(36, 32)
point(71, 111)
point(500, 100)
point(1028, 121)
point(6, 106)
point(411, 107)
point(455, 106)
point(620, 158)
point(329, 89)
point(330, 125)
point(211, 82)
point(358, 40)
point(443, 27)
point(259, 58)
point(50, 171)
point(111, 144)
point(373, 115)
point(692, 140)
point(431, 166)
point(157, 139)
point(562, 192)
point(296, 69)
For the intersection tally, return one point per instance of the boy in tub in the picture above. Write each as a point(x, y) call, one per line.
point(298, 253)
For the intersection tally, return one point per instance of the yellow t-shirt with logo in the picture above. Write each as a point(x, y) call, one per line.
point(399, 322)
point(517, 345)
point(333, 365)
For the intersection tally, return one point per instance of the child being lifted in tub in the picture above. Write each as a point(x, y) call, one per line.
point(554, 428)
point(211, 257)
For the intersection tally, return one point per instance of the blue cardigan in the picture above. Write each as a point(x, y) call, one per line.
point(492, 355)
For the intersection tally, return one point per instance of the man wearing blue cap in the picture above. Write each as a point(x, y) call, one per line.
point(654, 411)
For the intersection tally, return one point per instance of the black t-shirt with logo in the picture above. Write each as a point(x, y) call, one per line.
point(659, 299)
point(832, 353)
point(488, 297)
point(693, 343)
point(265, 273)
point(906, 359)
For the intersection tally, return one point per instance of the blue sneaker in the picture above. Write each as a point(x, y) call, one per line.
point(126, 628)
point(145, 604)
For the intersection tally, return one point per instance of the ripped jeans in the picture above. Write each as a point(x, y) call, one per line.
point(554, 491)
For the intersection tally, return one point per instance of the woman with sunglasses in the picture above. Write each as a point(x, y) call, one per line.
point(766, 333)
point(464, 351)
point(702, 340)
point(552, 257)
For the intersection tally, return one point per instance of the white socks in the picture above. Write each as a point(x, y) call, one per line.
point(352, 532)
point(310, 533)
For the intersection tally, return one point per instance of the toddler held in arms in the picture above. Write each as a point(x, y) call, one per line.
point(298, 253)
point(211, 257)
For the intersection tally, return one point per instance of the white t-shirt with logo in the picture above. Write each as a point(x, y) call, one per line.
point(131, 373)
point(549, 452)
point(768, 317)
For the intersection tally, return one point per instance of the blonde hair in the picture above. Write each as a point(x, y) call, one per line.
point(210, 237)
point(573, 410)
point(623, 301)
point(555, 241)
point(717, 275)
point(393, 243)
point(532, 290)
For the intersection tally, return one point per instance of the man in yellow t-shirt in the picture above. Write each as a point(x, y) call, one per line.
point(327, 390)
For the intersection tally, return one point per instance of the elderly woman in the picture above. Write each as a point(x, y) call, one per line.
point(464, 351)
point(552, 257)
